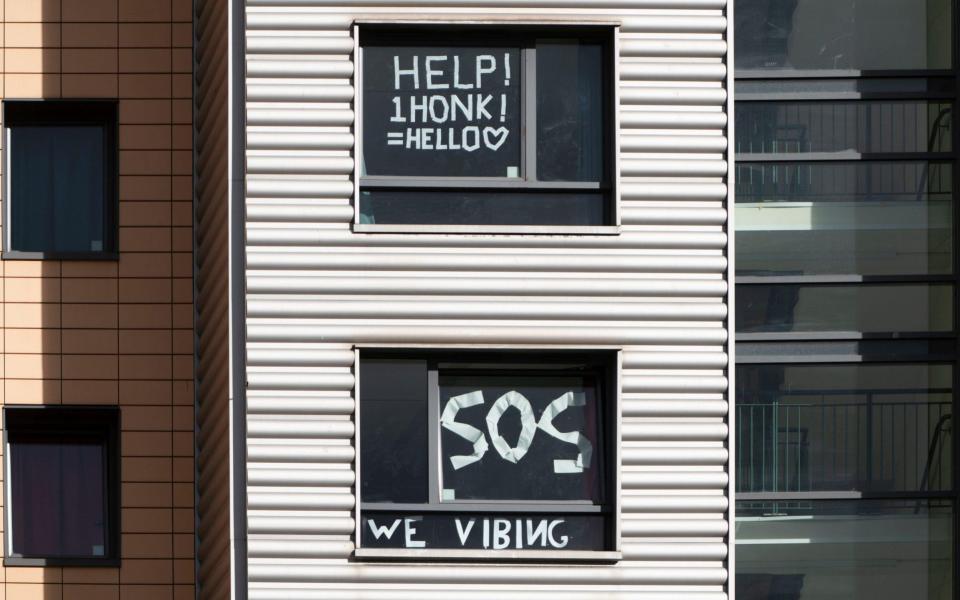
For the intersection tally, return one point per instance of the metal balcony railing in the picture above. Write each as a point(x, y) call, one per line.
point(863, 441)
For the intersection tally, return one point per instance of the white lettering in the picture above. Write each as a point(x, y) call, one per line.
point(482, 102)
point(465, 109)
point(481, 70)
point(468, 144)
point(430, 73)
point(527, 421)
point(464, 533)
point(563, 539)
point(439, 116)
point(456, 76)
point(540, 532)
point(409, 531)
point(397, 113)
point(397, 72)
point(501, 534)
point(416, 108)
point(379, 531)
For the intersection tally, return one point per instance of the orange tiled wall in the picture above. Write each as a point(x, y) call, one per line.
point(117, 332)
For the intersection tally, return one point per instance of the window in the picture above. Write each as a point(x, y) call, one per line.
point(846, 313)
point(486, 452)
point(502, 127)
point(61, 179)
point(61, 486)
point(830, 35)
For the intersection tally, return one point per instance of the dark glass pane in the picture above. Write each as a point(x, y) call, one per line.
point(846, 427)
point(570, 111)
point(497, 442)
point(842, 34)
point(441, 111)
point(849, 126)
point(868, 218)
point(469, 207)
point(57, 494)
point(841, 550)
point(844, 308)
point(58, 188)
point(393, 427)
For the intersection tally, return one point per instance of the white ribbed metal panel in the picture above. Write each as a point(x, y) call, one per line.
point(656, 290)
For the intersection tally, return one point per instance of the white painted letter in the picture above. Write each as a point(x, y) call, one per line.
point(418, 108)
point(464, 533)
point(539, 532)
point(439, 116)
point(501, 534)
point(571, 437)
point(563, 539)
point(481, 70)
point(409, 532)
point(430, 73)
point(527, 421)
point(471, 145)
point(397, 72)
point(456, 76)
point(397, 113)
point(379, 531)
point(448, 419)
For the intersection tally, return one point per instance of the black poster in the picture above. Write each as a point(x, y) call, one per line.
point(520, 438)
point(474, 531)
point(441, 111)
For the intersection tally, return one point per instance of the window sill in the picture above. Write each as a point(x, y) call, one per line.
point(98, 256)
point(14, 561)
point(453, 555)
point(491, 229)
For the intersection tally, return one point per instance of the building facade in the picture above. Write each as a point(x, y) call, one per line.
point(478, 311)
point(97, 292)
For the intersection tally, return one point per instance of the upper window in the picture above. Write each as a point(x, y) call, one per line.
point(505, 451)
point(61, 484)
point(61, 178)
point(484, 127)
point(842, 35)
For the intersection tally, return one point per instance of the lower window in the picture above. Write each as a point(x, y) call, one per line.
point(486, 451)
point(61, 484)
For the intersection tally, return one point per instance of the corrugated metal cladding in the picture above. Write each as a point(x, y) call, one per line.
point(314, 290)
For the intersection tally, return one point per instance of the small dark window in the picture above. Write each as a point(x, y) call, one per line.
point(61, 178)
point(62, 481)
point(482, 127)
point(486, 451)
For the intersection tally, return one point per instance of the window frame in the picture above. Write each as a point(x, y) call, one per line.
point(606, 365)
point(61, 112)
point(34, 421)
point(523, 34)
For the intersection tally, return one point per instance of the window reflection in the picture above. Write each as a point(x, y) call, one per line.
point(837, 550)
point(868, 218)
point(844, 308)
point(849, 127)
point(842, 34)
point(844, 427)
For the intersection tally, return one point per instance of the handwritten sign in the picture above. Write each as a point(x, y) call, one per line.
point(499, 442)
point(441, 111)
point(473, 531)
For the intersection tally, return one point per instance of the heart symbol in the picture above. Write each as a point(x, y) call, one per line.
point(491, 133)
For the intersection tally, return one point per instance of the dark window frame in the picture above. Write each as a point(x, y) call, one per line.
point(52, 113)
point(28, 422)
point(603, 363)
point(524, 37)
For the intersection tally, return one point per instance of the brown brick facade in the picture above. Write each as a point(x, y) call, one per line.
point(115, 332)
